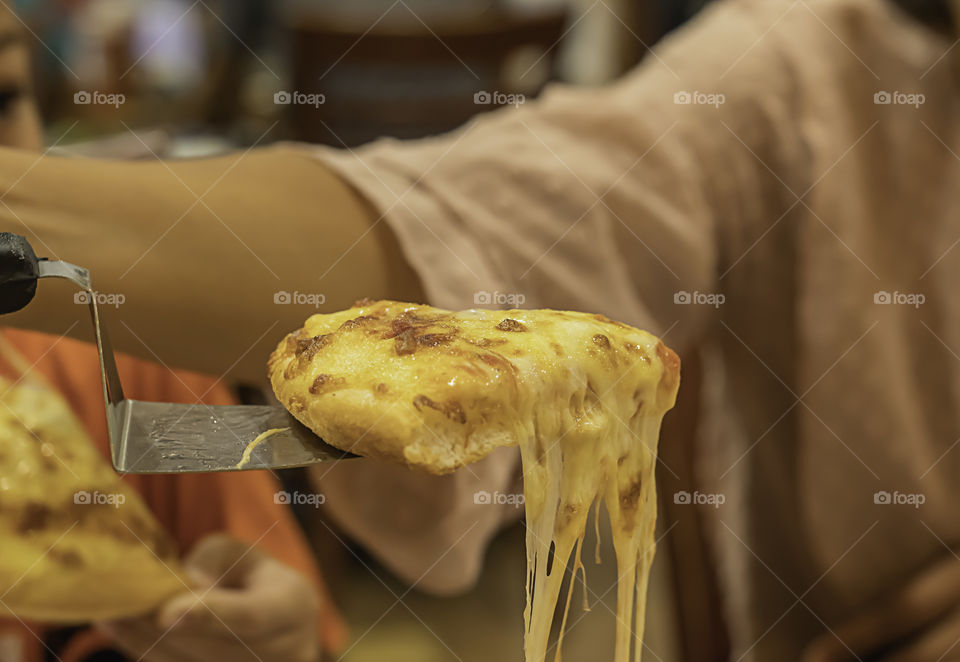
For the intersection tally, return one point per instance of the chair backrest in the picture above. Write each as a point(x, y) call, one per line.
point(403, 75)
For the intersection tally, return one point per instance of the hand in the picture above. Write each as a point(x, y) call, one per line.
point(245, 606)
point(919, 623)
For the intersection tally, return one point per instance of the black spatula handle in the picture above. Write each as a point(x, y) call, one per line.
point(19, 270)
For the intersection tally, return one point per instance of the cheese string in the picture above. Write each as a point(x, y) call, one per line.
point(577, 565)
point(262, 437)
point(561, 494)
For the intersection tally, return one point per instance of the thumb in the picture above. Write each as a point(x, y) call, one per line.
point(213, 610)
point(171, 615)
point(223, 561)
point(269, 597)
point(216, 561)
point(269, 604)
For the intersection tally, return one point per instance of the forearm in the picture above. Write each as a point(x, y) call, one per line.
point(198, 249)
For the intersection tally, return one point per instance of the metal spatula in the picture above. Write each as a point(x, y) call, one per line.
point(163, 437)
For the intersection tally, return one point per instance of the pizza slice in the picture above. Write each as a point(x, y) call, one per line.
point(76, 544)
point(581, 395)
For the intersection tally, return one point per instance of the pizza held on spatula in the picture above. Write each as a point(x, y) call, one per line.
point(580, 394)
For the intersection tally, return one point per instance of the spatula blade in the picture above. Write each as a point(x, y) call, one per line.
point(157, 437)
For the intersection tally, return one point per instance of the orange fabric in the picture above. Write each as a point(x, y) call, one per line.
point(189, 506)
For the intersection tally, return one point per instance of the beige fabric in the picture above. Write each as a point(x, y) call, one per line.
point(615, 199)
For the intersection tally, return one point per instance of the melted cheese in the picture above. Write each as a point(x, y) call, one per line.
point(568, 466)
point(252, 446)
point(590, 439)
point(583, 397)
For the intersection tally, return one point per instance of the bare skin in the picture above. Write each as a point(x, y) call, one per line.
point(199, 278)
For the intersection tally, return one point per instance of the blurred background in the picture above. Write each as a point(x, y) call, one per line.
point(210, 74)
point(188, 78)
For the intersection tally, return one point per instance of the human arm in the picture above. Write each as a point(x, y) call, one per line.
point(199, 278)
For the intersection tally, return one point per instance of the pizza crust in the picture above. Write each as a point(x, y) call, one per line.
point(436, 390)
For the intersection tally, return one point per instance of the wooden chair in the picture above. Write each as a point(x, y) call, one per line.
point(404, 75)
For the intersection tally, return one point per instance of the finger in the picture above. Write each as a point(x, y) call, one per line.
point(222, 560)
point(277, 600)
point(912, 609)
point(940, 644)
point(257, 612)
point(172, 613)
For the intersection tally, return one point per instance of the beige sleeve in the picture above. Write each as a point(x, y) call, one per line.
point(604, 199)
point(611, 200)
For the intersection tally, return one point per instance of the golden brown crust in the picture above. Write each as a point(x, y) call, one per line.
point(435, 389)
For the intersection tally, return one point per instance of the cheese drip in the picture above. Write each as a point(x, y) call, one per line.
point(601, 448)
